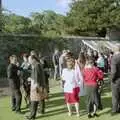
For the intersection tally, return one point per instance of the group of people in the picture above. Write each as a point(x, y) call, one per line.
point(84, 77)
point(102, 61)
point(33, 75)
point(79, 77)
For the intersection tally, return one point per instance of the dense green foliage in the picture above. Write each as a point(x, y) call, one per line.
point(47, 23)
point(94, 16)
point(86, 17)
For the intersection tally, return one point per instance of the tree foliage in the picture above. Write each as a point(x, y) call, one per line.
point(94, 15)
point(47, 22)
point(16, 24)
point(86, 17)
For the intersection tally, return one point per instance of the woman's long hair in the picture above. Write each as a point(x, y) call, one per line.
point(82, 60)
point(35, 58)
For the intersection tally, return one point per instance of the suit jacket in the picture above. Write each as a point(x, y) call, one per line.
point(26, 70)
point(115, 68)
point(45, 67)
point(56, 59)
point(40, 91)
point(38, 75)
point(12, 74)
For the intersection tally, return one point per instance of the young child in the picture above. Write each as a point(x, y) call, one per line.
point(70, 85)
point(91, 75)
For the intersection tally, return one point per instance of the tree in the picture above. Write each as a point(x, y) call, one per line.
point(16, 24)
point(94, 16)
point(48, 23)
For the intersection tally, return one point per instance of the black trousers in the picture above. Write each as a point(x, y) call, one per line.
point(115, 97)
point(100, 106)
point(56, 72)
point(26, 86)
point(42, 106)
point(34, 107)
point(47, 81)
point(16, 99)
point(33, 110)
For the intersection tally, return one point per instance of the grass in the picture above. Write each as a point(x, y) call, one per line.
point(56, 108)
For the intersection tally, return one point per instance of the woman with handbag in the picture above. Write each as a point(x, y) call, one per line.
point(38, 86)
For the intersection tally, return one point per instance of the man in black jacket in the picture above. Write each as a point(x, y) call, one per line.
point(115, 73)
point(14, 83)
point(45, 66)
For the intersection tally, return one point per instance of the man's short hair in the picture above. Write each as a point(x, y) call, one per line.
point(35, 58)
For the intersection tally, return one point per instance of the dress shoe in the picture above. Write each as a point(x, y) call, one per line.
point(95, 115)
point(100, 108)
point(90, 116)
point(118, 111)
point(13, 109)
point(18, 112)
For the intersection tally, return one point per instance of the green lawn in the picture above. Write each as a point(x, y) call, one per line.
point(56, 109)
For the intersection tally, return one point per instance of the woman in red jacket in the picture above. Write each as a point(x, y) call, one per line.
point(91, 76)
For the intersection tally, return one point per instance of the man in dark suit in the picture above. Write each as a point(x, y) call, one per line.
point(115, 74)
point(14, 83)
point(45, 66)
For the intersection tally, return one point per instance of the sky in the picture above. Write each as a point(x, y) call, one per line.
point(25, 7)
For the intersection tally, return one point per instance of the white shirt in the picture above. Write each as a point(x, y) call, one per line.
point(69, 77)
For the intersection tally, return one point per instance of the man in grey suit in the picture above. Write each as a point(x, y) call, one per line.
point(115, 74)
point(14, 83)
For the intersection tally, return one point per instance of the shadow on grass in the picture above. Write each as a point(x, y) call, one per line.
point(53, 113)
point(25, 111)
point(55, 103)
point(106, 88)
point(107, 104)
point(24, 108)
point(105, 112)
point(55, 95)
point(106, 101)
